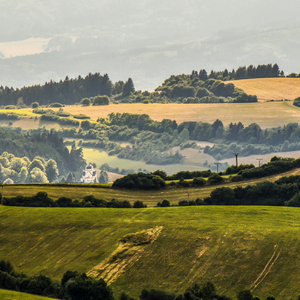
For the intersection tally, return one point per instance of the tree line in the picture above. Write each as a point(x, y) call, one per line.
point(197, 87)
point(242, 72)
point(67, 91)
point(41, 199)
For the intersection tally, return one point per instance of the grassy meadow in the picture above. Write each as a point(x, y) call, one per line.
point(235, 247)
point(11, 295)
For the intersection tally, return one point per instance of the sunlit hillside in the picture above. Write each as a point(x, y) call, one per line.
point(270, 88)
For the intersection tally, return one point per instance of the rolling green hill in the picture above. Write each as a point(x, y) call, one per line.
point(11, 295)
point(235, 247)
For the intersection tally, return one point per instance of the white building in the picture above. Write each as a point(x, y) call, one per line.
point(89, 175)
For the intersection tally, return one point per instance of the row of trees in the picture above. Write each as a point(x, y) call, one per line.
point(41, 199)
point(68, 91)
point(285, 191)
point(243, 72)
point(199, 87)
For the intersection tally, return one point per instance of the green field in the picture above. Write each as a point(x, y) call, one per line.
point(10, 295)
point(174, 195)
point(235, 247)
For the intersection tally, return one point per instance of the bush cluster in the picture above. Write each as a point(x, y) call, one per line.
point(41, 199)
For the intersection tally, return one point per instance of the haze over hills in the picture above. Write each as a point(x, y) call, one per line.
point(145, 40)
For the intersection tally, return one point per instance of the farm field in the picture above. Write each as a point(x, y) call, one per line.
point(266, 114)
point(270, 88)
point(11, 295)
point(237, 248)
point(174, 195)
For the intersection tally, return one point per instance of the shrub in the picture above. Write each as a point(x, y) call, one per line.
point(165, 203)
point(199, 181)
point(81, 116)
point(139, 204)
point(63, 114)
point(86, 102)
point(35, 104)
point(237, 178)
point(215, 179)
point(223, 196)
point(183, 183)
point(6, 266)
point(294, 201)
point(297, 102)
point(56, 104)
point(101, 100)
point(11, 107)
point(140, 181)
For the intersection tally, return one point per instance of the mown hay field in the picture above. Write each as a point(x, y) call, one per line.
point(237, 248)
point(266, 114)
point(270, 88)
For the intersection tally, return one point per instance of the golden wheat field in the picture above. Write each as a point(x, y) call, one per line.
point(266, 114)
point(270, 88)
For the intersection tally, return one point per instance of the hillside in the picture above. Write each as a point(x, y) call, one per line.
point(149, 197)
point(235, 247)
point(11, 295)
point(270, 88)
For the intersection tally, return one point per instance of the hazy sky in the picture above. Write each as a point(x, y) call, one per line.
point(147, 40)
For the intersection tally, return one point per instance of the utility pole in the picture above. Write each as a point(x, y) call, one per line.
point(259, 159)
point(217, 163)
point(236, 159)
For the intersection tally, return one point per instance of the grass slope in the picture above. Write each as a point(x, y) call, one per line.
point(10, 295)
point(148, 197)
point(270, 88)
point(235, 247)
